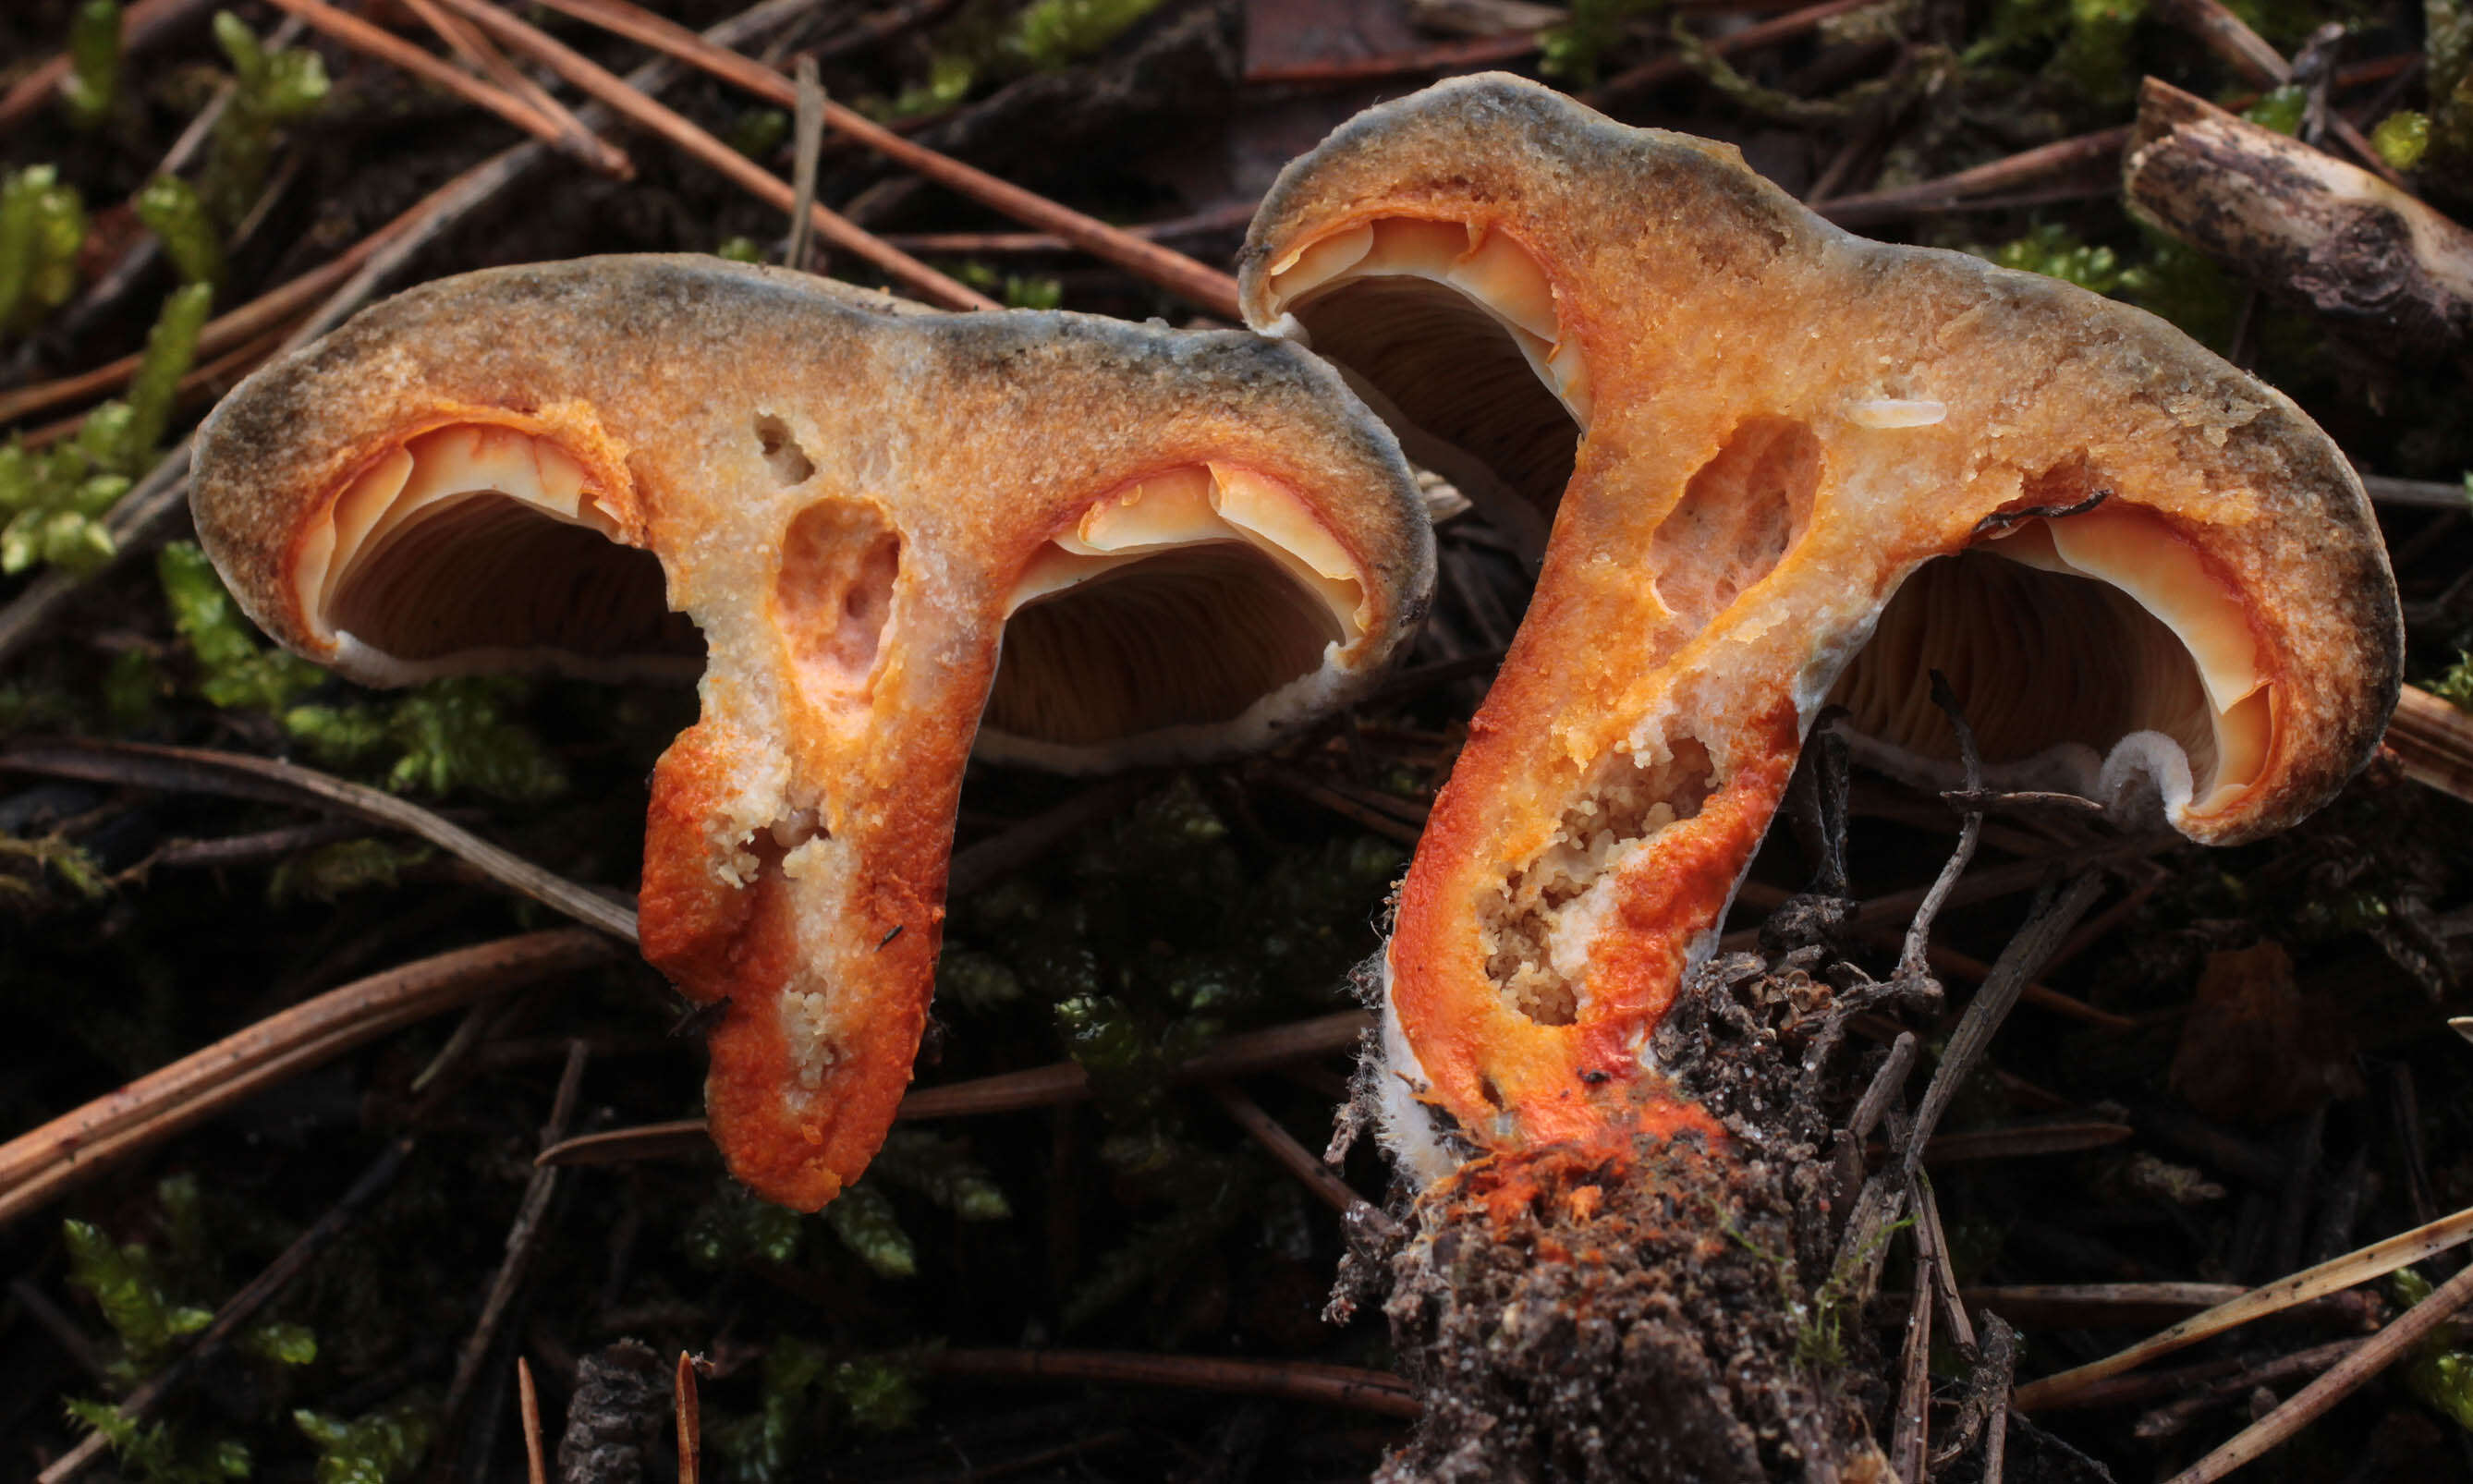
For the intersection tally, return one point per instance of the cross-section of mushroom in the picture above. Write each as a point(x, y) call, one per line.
point(1190, 544)
point(1802, 465)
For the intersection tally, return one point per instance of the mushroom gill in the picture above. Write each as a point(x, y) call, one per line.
point(1184, 599)
point(475, 546)
point(2066, 641)
point(1452, 333)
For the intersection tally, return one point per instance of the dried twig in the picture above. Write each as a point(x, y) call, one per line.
point(268, 779)
point(37, 1165)
point(1297, 1159)
point(1932, 1252)
point(397, 52)
point(1231, 218)
point(2434, 739)
point(1292, 1380)
point(2355, 1267)
point(2032, 1138)
point(643, 110)
point(1025, 841)
point(2192, 1402)
point(528, 1408)
point(810, 136)
point(690, 1418)
point(1447, 57)
point(1149, 261)
point(2261, 65)
point(2376, 1260)
point(523, 1242)
point(1316, 791)
point(573, 138)
point(1910, 960)
point(2020, 960)
point(2186, 1382)
point(1038, 1087)
point(2040, 163)
point(2304, 1407)
point(1767, 33)
point(1909, 1435)
point(2298, 223)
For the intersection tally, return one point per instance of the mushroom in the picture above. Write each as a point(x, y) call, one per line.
point(1803, 468)
point(833, 506)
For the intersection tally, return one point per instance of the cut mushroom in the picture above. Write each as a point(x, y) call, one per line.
point(1199, 541)
point(1803, 467)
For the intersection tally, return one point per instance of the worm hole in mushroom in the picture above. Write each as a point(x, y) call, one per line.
point(1739, 516)
point(2065, 638)
point(789, 462)
point(1536, 930)
point(832, 595)
point(1451, 334)
point(474, 547)
point(1179, 600)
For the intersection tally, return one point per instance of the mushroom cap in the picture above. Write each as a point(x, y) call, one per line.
point(852, 502)
point(611, 368)
point(2135, 561)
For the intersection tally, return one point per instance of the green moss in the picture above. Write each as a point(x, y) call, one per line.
point(1205, 1194)
point(171, 348)
point(42, 224)
point(151, 1453)
point(2090, 42)
point(1576, 49)
point(91, 90)
point(143, 1293)
point(443, 737)
point(2402, 138)
point(762, 1449)
point(235, 670)
point(54, 501)
point(58, 858)
point(2053, 251)
point(1053, 34)
point(2282, 109)
point(863, 1219)
point(330, 872)
point(980, 981)
point(271, 89)
point(942, 1170)
point(732, 1227)
point(2186, 287)
point(1014, 290)
point(2095, 55)
point(2448, 49)
point(2440, 1372)
point(878, 1393)
point(380, 1447)
point(174, 211)
point(148, 1323)
point(2457, 685)
point(739, 250)
point(983, 43)
point(756, 133)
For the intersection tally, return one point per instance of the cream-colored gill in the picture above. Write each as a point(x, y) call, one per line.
point(1494, 270)
point(1198, 505)
point(420, 481)
point(2136, 553)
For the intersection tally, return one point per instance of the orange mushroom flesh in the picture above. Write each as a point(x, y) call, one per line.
point(835, 508)
point(1803, 468)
